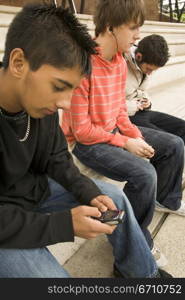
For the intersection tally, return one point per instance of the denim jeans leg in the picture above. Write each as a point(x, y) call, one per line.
point(169, 164)
point(30, 263)
point(121, 165)
point(132, 254)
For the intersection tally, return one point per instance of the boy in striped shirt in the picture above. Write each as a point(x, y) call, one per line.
point(98, 126)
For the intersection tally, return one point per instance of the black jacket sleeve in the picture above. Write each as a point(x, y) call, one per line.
point(25, 229)
point(62, 169)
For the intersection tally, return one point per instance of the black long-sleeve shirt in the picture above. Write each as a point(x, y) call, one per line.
point(24, 171)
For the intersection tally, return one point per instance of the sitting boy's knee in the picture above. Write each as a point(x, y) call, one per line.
point(148, 175)
point(176, 145)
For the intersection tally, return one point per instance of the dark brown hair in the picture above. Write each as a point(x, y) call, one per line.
point(154, 50)
point(115, 13)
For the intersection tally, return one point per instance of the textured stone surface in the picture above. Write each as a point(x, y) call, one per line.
point(63, 251)
point(94, 259)
point(171, 241)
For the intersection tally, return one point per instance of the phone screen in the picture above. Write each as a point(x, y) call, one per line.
point(109, 215)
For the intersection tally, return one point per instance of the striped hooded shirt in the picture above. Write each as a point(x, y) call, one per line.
point(98, 112)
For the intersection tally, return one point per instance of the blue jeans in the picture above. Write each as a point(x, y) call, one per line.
point(132, 255)
point(160, 179)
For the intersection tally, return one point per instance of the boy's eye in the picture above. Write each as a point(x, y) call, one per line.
point(58, 89)
point(134, 27)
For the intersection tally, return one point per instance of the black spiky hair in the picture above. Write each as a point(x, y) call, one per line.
point(50, 35)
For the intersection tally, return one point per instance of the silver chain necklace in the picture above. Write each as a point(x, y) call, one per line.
point(28, 125)
point(27, 131)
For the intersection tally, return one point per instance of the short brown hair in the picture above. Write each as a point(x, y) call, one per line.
point(115, 13)
point(154, 50)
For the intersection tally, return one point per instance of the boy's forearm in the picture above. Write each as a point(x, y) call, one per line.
point(24, 229)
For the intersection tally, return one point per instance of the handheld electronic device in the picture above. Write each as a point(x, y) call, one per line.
point(111, 217)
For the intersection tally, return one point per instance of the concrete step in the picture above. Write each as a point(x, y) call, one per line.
point(3, 32)
point(6, 18)
point(166, 32)
point(172, 72)
point(177, 47)
point(167, 25)
point(170, 240)
point(169, 98)
point(9, 9)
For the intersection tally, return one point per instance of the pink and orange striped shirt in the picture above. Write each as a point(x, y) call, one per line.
point(98, 106)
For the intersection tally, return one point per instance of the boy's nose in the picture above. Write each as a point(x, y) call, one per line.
point(137, 34)
point(64, 102)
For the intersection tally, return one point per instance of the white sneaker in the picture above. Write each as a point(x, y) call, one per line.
point(180, 211)
point(159, 257)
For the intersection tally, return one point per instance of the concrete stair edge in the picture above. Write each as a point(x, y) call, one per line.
point(152, 90)
point(13, 9)
point(147, 22)
point(9, 9)
point(173, 72)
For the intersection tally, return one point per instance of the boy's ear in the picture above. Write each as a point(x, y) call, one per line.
point(17, 62)
point(109, 29)
point(139, 56)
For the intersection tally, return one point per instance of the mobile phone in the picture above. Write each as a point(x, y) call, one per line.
point(111, 217)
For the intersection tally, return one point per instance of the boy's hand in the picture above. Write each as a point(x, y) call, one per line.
point(140, 148)
point(143, 104)
point(103, 203)
point(86, 227)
